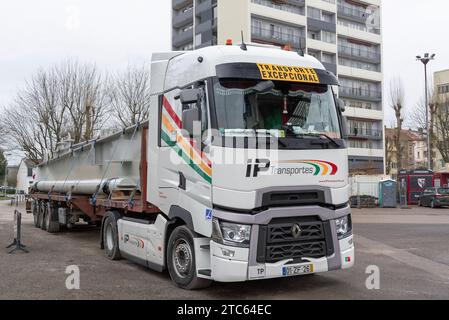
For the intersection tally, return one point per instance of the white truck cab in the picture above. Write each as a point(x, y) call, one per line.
point(246, 147)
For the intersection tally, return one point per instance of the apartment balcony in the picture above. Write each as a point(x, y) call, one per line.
point(278, 4)
point(360, 94)
point(179, 4)
point(182, 38)
point(366, 152)
point(204, 6)
point(364, 133)
point(208, 25)
point(265, 35)
point(182, 19)
point(364, 55)
point(317, 25)
point(355, 14)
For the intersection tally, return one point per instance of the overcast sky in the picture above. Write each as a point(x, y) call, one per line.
point(114, 33)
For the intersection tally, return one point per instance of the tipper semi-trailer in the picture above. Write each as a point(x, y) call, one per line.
point(240, 173)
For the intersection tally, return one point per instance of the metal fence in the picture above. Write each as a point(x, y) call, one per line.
point(18, 199)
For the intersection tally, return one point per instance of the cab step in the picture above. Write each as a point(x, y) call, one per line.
point(205, 272)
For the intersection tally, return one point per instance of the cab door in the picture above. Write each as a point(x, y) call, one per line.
point(185, 171)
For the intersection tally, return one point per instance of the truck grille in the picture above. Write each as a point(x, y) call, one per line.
point(282, 232)
point(278, 241)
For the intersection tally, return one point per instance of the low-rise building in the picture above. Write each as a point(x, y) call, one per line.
point(413, 152)
point(25, 175)
point(11, 175)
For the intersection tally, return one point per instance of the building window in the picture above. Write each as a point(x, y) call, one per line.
point(198, 39)
point(328, 37)
point(314, 13)
point(30, 172)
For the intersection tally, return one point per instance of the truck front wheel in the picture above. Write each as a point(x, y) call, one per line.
point(110, 238)
point(181, 260)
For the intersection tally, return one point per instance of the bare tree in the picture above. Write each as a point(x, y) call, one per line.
point(82, 93)
point(69, 99)
point(440, 137)
point(389, 153)
point(130, 95)
point(397, 100)
point(418, 118)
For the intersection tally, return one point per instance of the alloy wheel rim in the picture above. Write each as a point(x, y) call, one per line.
point(109, 238)
point(182, 258)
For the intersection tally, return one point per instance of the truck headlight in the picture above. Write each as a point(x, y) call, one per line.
point(232, 234)
point(344, 227)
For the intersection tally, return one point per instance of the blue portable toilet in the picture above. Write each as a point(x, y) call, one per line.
point(388, 194)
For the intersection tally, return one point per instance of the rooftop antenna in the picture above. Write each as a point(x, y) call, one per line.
point(243, 46)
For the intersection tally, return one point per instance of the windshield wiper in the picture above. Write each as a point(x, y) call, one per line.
point(323, 135)
point(282, 143)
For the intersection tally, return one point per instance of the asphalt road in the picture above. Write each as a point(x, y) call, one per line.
point(410, 248)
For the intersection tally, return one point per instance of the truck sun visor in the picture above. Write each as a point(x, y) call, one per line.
point(276, 73)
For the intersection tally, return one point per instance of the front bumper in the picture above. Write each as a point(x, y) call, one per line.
point(244, 264)
point(442, 202)
point(237, 268)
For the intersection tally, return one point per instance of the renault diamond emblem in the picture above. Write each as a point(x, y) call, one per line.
point(296, 231)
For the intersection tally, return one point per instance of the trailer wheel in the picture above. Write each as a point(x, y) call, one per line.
point(110, 238)
point(181, 260)
point(35, 211)
point(41, 215)
point(45, 212)
point(51, 219)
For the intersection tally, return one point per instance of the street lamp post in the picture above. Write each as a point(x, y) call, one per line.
point(5, 163)
point(425, 60)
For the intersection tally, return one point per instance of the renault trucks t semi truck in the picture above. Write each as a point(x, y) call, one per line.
point(240, 173)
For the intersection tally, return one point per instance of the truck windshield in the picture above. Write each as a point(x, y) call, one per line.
point(281, 109)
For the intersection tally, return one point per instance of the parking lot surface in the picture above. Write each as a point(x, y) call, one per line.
point(410, 248)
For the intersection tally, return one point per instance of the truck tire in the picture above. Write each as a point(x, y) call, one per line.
point(110, 238)
point(51, 219)
point(181, 260)
point(44, 215)
point(41, 214)
point(35, 211)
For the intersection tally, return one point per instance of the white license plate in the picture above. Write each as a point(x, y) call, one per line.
point(296, 270)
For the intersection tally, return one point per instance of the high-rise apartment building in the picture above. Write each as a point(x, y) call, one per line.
point(441, 128)
point(345, 35)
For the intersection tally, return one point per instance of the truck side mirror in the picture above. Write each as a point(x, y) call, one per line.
point(189, 118)
point(189, 96)
point(344, 127)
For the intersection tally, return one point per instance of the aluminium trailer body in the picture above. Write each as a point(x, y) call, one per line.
point(240, 174)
